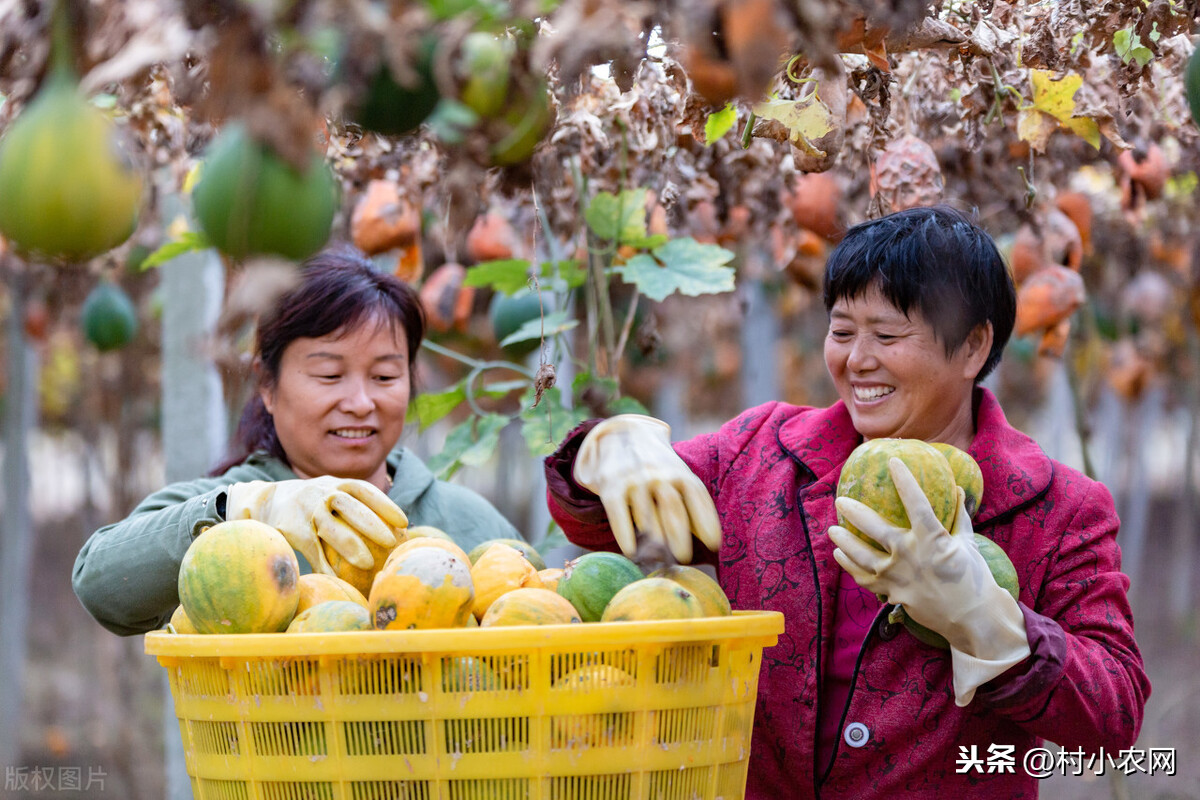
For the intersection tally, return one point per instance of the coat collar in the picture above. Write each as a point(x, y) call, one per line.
point(1015, 470)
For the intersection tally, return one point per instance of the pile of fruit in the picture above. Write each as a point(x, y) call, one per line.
point(243, 577)
point(939, 468)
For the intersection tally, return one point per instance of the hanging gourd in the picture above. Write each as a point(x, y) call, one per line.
point(68, 190)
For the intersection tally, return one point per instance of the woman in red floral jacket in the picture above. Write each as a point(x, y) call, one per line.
point(851, 705)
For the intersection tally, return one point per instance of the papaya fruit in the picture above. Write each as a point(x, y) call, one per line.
point(482, 68)
point(498, 570)
point(239, 576)
point(426, 587)
point(108, 317)
point(249, 201)
point(652, 599)
point(529, 605)
point(865, 477)
point(509, 313)
point(967, 474)
point(712, 597)
point(392, 108)
point(590, 581)
point(1191, 85)
point(317, 587)
point(68, 190)
point(331, 616)
point(526, 549)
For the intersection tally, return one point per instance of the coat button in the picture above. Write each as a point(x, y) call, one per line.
point(856, 734)
point(888, 630)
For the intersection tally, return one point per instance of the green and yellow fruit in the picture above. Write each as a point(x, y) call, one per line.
point(483, 69)
point(392, 108)
point(706, 589)
point(108, 317)
point(425, 588)
point(499, 570)
point(652, 599)
point(529, 606)
point(240, 576)
point(180, 623)
point(590, 730)
point(967, 474)
point(590, 581)
point(865, 477)
point(67, 188)
point(526, 549)
point(331, 616)
point(1191, 84)
point(317, 587)
point(249, 201)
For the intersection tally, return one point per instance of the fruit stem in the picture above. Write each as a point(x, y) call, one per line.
point(61, 57)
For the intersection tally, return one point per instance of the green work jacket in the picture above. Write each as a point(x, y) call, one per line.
point(127, 573)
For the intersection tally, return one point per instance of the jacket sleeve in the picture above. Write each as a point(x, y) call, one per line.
point(579, 512)
point(1085, 686)
point(126, 575)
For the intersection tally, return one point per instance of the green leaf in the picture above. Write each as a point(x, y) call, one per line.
point(450, 121)
point(681, 265)
point(649, 242)
point(509, 276)
point(719, 123)
point(548, 424)
point(551, 325)
point(572, 272)
point(628, 405)
point(1129, 47)
point(554, 538)
point(188, 242)
point(618, 218)
point(429, 408)
point(487, 436)
point(470, 443)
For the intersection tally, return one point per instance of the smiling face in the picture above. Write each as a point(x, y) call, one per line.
point(340, 400)
point(894, 376)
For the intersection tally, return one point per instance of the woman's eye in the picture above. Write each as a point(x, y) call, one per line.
point(840, 336)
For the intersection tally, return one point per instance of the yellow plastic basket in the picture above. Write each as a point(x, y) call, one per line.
point(519, 713)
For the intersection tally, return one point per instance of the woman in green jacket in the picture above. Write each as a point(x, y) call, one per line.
point(316, 450)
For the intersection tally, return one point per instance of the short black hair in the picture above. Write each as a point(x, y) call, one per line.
point(934, 259)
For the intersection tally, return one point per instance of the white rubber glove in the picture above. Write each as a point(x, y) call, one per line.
point(340, 511)
point(941, 580)
point(628, 460)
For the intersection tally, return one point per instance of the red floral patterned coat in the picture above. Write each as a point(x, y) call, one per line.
point(773, 472)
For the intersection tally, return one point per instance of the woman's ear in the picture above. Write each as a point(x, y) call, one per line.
point(266, 389)
point(977, 348)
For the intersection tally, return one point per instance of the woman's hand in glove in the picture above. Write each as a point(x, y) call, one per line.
point(939, 577)
point(646, 487)
point(340, 511)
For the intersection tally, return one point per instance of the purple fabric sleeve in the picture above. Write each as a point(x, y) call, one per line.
point(1043, 669)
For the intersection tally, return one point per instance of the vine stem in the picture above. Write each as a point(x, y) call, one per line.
point(1082, 428)
point(475, 363)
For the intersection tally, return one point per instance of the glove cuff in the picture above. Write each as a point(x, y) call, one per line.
point(240, 498)
point(996, 641)
point(970, 672)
